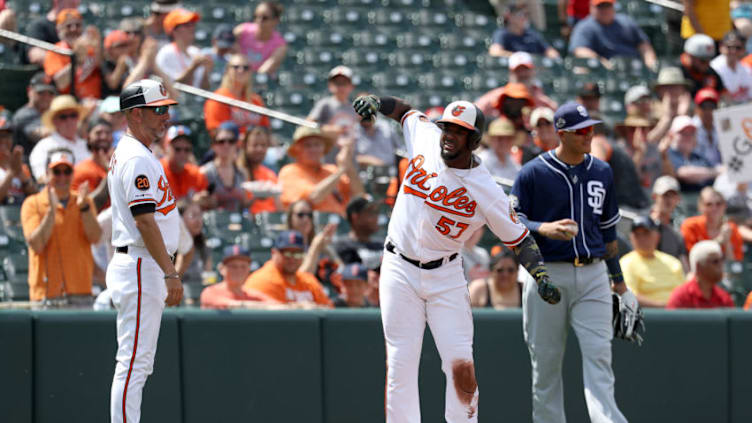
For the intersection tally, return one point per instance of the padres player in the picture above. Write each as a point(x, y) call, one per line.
point(566, 198)
point(145, 233)
point(445, 197)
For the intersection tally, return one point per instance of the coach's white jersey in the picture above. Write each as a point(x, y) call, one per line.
point(438, 207)
point(137, 177)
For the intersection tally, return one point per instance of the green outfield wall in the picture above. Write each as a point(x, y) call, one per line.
point(328, 366)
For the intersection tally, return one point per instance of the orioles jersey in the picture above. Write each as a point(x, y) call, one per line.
point(438, 208)
point(137, 178)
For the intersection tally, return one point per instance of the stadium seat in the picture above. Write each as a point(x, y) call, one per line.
point(364, 59)
point(427, 18)
point(15, 79)
point(318, 57)
point(321, 219)
point(475, 20)
point(454, 60)
point(226, 225)
point(410, 59)
point(373, 39)
point(423, 101)
point(393, 80)
point(440, 80)
point(459, 41)
point(122, 10)
point(16, 266)
point(302, 14)
point(417, 39)
point(383, 17)
point(10, 217)
point(407, 4)
point(351, 16)
point(255, 241)
point(485, 81)
point(271, 222)
point(225, 13)
point(491, 62)
point(14, 291)
point(328, 38)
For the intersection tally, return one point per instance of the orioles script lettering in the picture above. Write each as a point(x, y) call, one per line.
point(453, 202)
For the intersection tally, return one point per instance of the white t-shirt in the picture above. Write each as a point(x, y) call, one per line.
point(738, 82)
point(137, 177)
point(508, 170)
point(40, 152)
point(174, 62)
point(438, 208)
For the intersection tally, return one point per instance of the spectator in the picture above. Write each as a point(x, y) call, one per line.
point(94, 169)
point(143, 54)
point(334, 113)
point(117, 62)
point(699, 49)
point(638, 101)
point(651, 274)
point(265, 192)
point(223, 176)
point(359, 246)
point(134, 31)
point(475, 259)
point(154, 25)
point(692, 170)
point(59, 226)
point(605, 34)
point(706, 101)
point(711, 17)
point(27, 120)
point(501, 289)
point(570, 13)
point(109, 111)
point(736, 77)
point(45, 28)
point(61, 119)
point(236, 84)
point(675, 100)
point(589, 96)
point(354, 287)
point(701, 290)
point(87, 49)
point(199, 260)
point(229, 293)
point(327, 187)
point(516, 35)
point(299, 218)
point(498, 159)
point(184, 177)
point(514, 102)
point(544, 135)
point(180, 60)
point(712, 224)
point(650, 160)
point(15, 177)
point(223, 46)
point(376, 142)
point(665, 199)
point(260, 41)
point(372, 292)
point(280, 277)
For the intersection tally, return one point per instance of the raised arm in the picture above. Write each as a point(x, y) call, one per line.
point(367, 106)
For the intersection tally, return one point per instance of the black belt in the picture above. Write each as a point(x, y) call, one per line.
point(429, 265)
point(584, 261)
point(124, 250)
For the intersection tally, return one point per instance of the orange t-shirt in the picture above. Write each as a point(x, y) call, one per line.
point(188, 182)
point(88, 75)
point(298, 182)
point(263, 173)
point(220, 296)
point(88, 170)
point(394, 184)
point(270, 281)
point(66, 261)
point(215, 112)
point(695, 229)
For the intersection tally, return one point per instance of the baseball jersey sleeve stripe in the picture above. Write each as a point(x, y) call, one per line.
point(142, 201)
point(518, 240)
point(611, 222)
point(406, 115)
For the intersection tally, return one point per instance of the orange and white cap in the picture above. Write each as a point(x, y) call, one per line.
point(58, 157)
point(464, 114)
point(144, 93)
point(521, 58)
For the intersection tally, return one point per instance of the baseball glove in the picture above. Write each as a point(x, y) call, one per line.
point(367, 106)
point(628, 319)
point(548, 291)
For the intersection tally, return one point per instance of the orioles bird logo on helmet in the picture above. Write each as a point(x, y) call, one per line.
point(458, 110)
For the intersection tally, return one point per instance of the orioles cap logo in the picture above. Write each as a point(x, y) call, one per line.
point(458, 110)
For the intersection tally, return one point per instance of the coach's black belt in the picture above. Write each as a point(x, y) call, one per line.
point(427, 265)
point(124, 250)
point(584, 261)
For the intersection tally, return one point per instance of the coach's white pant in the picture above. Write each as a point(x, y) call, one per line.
point(409, 298)
point(139, 293)
point(586, 305)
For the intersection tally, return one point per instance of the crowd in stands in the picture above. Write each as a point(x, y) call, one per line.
point(665, 155)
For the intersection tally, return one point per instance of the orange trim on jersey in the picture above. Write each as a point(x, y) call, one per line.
point(135, 340)
point(406, 115)
point(414, 192)
point(166, 209)
point(144, 200)
point(454, 212)
point(516, 241)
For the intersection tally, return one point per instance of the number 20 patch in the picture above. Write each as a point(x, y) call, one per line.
point(142, 182)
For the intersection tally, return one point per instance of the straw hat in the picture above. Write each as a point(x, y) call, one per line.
point(304, 132)
point(59, 104)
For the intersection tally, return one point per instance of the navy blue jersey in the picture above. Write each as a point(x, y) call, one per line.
point(547, 189)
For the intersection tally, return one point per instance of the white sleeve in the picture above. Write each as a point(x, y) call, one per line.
point(139, 182)
point(185, 241)
point(416, 127)
point(503, 221)
point(163, 60)
point(37, 161)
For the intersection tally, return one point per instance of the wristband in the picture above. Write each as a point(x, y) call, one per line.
point(175, 275)
point(85, 208)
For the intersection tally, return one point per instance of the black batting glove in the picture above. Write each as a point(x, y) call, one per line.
point(548, 291)
point(367, 106)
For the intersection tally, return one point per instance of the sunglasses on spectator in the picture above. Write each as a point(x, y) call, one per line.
point(74, 25)
point(301, 215)
point(67, 171)
point(298, 255)
point(66, 116)
point(708, 105)
point(582, 131)
point(504, 270)
point(244, 68)
point(159, 110)
point(221, 141)
point(734, 47)
point(182, 149)
point(713, 204)
point(262, 18)
point(102, 148)
point(134, 32)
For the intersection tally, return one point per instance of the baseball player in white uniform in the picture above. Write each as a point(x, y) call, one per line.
point(145, 232)
point(445, 197)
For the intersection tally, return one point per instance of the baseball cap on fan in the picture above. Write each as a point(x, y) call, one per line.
point(571, 116)
point(521, 58)
point(464, 114)
point(58, 157)
point(144, 93)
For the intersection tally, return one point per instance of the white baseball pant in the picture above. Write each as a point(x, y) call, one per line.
point(409, 298)
point(586, 305)
point(139, 293)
